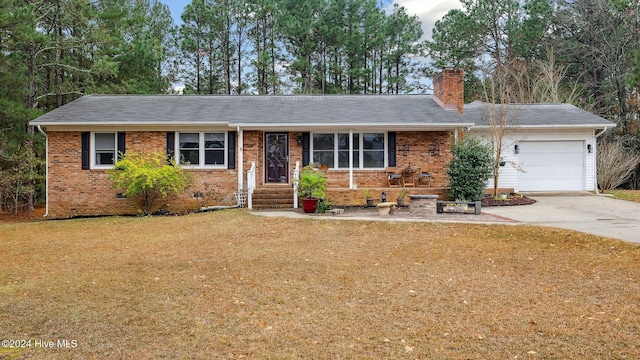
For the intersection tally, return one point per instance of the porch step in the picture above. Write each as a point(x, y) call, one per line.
point(273, 197)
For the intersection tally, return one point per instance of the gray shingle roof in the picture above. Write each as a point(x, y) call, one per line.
point(254, 111)
point(301, 111)
point(537, 115)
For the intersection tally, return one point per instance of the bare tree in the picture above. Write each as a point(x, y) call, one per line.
point(615, 164)
point(542, 81)
point(499, 116)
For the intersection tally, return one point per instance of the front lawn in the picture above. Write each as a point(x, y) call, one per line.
point(630, 195)
point(232, 285)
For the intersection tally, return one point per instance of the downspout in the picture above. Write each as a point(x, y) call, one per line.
point(595, 161)
point(240, 159)
point(46, 167)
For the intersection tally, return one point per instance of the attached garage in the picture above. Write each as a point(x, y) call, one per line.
point(552, 165)
point(548, 147)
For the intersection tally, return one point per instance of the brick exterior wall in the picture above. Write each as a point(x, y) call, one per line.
point(426, 151)
point(448, 89)
point(77, 192)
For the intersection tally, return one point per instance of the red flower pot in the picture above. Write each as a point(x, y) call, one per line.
point(309, 204)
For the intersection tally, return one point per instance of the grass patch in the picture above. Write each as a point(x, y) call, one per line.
point(230, 285)
point(630, 195)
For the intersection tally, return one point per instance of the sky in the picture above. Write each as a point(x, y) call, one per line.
point(428, 11)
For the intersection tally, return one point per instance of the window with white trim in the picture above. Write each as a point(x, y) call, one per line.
point(105, 149)
point(332, 149)
point(343, 151)
point(202, 149)
point(373, 150)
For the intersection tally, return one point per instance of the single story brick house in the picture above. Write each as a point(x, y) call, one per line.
point(235, 143)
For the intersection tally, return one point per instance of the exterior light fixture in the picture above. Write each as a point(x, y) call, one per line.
point(589, 148)
point(383, 197)
point(516, 149)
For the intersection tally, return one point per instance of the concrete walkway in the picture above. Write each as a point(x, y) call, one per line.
point(585, 212)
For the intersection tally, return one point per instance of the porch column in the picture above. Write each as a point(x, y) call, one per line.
point(351, 159)
point(240, 148)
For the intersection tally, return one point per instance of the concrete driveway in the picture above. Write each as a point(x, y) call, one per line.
point(585, 212)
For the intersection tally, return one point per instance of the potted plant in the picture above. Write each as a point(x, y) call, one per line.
point(368, 198)
point(400, 197)
point(312, 187)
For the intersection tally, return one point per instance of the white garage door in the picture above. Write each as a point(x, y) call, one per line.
point(552, 165)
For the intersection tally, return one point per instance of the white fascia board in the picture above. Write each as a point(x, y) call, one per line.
point(347, 126)
point(549, 127)
point(138, 127)
point(182, 126)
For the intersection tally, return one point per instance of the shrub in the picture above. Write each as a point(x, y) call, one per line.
point(147, 176)
point(469, 169)
point(615, 164)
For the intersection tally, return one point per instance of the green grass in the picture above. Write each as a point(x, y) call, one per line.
point(234, 285)
point(630, 195)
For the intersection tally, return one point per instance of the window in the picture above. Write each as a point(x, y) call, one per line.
point(104, 149)
point(343, 151)
point(373, 150)
point(323, 149)
point(214, 148)
point(333, 150)
point(202, 149)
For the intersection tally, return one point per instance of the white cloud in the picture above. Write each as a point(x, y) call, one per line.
point(428, 11)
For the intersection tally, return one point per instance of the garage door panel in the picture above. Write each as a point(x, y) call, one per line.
point(551, 165)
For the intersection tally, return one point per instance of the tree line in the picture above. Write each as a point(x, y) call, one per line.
point(584, 52)
point(53, 51)
point(312, 46)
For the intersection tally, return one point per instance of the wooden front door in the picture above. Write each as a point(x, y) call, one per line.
point(277, 158)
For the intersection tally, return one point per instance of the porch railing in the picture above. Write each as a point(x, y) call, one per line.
point(296, 179)
point(251, 184)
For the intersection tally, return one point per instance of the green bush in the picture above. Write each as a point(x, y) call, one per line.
point(147, 176)
point(469, 169)
point(312, 183)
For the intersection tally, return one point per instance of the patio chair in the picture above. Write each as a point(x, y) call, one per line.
point(424, 179)
point(394, 178)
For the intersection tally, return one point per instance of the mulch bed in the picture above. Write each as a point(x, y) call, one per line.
point(511, 200)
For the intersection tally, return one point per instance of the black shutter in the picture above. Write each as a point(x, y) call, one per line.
point(391, 137)
point(121, 144)
point(171, 145)
point(306, 149)
point(85, 150)
point(231, 150)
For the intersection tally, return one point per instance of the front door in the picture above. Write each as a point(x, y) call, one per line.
point(277, 158)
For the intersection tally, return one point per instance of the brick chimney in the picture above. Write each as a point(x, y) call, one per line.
point(448, 89)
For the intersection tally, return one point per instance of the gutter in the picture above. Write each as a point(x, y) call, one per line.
point(550, 127)
point(46, 179)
